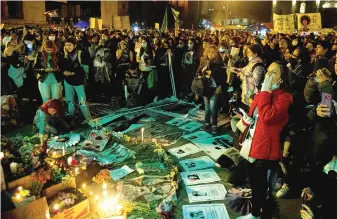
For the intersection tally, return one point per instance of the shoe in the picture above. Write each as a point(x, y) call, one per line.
point(278, 184)
point(206, 126)
point(248, 216)
point(214, 130)
point(283, 191)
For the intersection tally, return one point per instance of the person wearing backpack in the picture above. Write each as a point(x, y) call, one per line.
point(251, 75)
point(74, 72)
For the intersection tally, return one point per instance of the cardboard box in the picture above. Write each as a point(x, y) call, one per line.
point(25, 182)
point(37, 209)
point(81, 210)
point(54, 189)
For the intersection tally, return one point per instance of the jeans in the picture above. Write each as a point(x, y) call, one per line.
point(50, 90)
point(211, 111)
point(70, 98)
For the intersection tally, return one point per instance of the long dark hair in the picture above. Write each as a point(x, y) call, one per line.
point(148, 49)
point(49, 44)
point(285, 76)
point(256, 49)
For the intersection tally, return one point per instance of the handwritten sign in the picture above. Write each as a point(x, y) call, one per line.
point(284, 23)
point(80, 210)
point(309, 22)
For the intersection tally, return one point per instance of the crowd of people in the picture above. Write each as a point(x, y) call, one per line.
point(283, 85)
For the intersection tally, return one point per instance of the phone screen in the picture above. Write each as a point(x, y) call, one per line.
point(327, 100)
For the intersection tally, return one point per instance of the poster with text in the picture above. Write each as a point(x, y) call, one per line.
point(197, 163)
point(208, 192)
point(205, 211)
point(284, 23)
point(216, 146)
point(310, 22)
point(199, 135)
point(199, 177)
point(184, 150)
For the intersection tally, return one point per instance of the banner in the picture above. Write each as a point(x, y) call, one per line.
point(284, 23)
point(99, 24)
point(175, 15)
point(92, 22)
point(310, 22)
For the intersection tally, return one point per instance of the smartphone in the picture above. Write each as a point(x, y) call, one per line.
point(327, 100)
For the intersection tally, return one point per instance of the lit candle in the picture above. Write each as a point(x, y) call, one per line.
point(2, 155)
point(14, 167)
point(47, 151)
point(63, 151)
point(119, 209)
point(54, 154)
point(142, 130)
point(20, 188)
point(90, 193)
point(18, 197)
point(84, 186)
point(56, 208)
point(69, 160)
point(104, 185)
point(76, 170)
point(105, 193)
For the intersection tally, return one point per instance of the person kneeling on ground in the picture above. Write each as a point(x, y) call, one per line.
point(50, 119)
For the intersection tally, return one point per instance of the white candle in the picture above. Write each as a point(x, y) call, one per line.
point(69, 160)
point(63, 151)
point(142, 130)
point(14, 167)
point(2, 155)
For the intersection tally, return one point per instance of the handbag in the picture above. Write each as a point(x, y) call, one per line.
point(247, 143)
point(197, 86)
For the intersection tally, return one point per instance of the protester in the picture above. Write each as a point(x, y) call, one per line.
point(50, 119)
point(211, 71)
point(269, 111)
point(74, 78)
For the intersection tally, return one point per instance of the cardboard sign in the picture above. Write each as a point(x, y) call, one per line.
point(81, 210)
point(284, 23)
point(92, 22)
point(35, 210)
point(310, 22)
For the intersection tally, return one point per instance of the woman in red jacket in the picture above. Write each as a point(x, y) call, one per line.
point(271, 105)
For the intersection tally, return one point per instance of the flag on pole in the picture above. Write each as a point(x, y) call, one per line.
point(165, 22)
point(175, 15)
point(51, 13)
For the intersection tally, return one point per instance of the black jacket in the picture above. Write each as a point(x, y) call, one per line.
point(67, 64)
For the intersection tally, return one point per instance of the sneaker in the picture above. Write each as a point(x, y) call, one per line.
point(283, 191)
point(206, 126)
point(249, 216)
point(214, 130)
